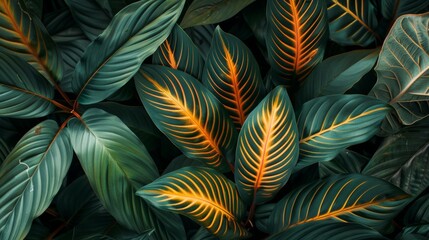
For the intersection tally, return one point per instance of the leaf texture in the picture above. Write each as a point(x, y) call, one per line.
point(31, 176)
point(114, 56)
point(267, 148)
point(392, 9)
point(202, 194)
point(188, 114)
point(345, 162)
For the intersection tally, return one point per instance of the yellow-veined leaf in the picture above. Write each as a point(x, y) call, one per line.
point(267, 148)
point(202, 194)
point(232, 74)
point(296, 37)
point(188, 114)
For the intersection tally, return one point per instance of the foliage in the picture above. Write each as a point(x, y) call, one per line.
point(214, 119)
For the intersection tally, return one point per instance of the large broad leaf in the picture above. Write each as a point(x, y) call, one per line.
point(329, 124)
point(403, 68)
point(203, 12)
point(392, 9)
point(418, 212)
point(343, 198)
point(296, 37)
point(115, 55)
point(352, 22)
point(117, 164)
point(337, 74)
point(345, 162)
point(188, 114)
point(232, 74)
point(202, 194)
point(403, 159)
point(23, 35)
point(267, 148)
point(31, 176)
point(179, 52)
point(329, 230)
point(24, 93)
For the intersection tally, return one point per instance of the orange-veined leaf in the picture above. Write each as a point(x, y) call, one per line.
point(202, 194)
point(188, 114)
point(296, 37)
point(352, 22)
point(232, 74)
point(267, 148)
point(345, 198)
point(23, 35)
point(392, 9)
point(179, 52)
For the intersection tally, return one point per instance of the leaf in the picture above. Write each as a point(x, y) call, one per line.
point(114, 56)
point(345, 162)
point(202, 194)
point(296, 37)
point(267, 148)
point(262, 216)
point(343, 198)
point(24, 93)
point(202, 37)
point(352, 22)
point(35, 6)
point(89, 16)
point(332, 123)
point(403, 159)
point(418, 212)
point(117, 164)
point(188, 114)
point(30, 177)
point(203, 234)
point(337, 74)
point(179, 52)
point(232, 74)
point(181, 162)
point(419, 232)
point(24, 35)
point(205, 12)
point(4, 150)
point(402, 69)
point(392, 9)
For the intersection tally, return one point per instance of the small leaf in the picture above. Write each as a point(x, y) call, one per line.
point(392, 9)
point(345, 162)
point(202, 194)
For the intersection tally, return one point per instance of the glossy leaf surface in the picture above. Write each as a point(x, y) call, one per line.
point(188, 114)
point(115, 55)
point(267, 148)
point(203, 195)
point(392, 9)
point(232, 74)
point(31, 176)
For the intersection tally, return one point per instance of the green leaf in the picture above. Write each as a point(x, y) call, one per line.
point(24, 93)
point(343, 198)
point(181, 162)
point(345, 162)
point(332, 123)
point(179, 52)
point(337, 74)
point(267, 148)
point(117, 164)
point(203, 234)
point(262, 216)
point(392, 9)
point(403, 159)
point(35, 6)
point(419, 232)
point(418, 212)
point(114, 56)
point(30, 177)
point(203, 12)
point(232, 74)
point(202, 37)
point(402, 68)
point(352, 22)
point(188, 114)
point(4, 150)
point(329, 230)
point(296, 37)
point(202, 194)
point(24, 35)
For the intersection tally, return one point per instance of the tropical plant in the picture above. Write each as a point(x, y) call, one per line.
point(175, 119)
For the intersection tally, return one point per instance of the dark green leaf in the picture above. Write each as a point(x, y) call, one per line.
point(345, 162)
point(418, 212)
point(392, 9)
point(181, 162)
point(262, 216)
point(419, 232)
point(35, 6)
point(203, 234)
point(202, 37)
point(4, 150)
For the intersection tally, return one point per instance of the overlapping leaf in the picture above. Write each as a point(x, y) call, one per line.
point(188, 114)
point(342, 198)
point(115, 55)
point(24, 35)
point(117, 164)
point(202, 37)
point(267, 148)
point(296, 37)
point(392, 9)
point(332, 123)
point(203, 195)
point(30, 177)
point(179, 52)
point(418, 212)
point(403, 69)
point(4, 150)
point(232, 74)
point(352, 22)
point(24, 93)
point(345, 162)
